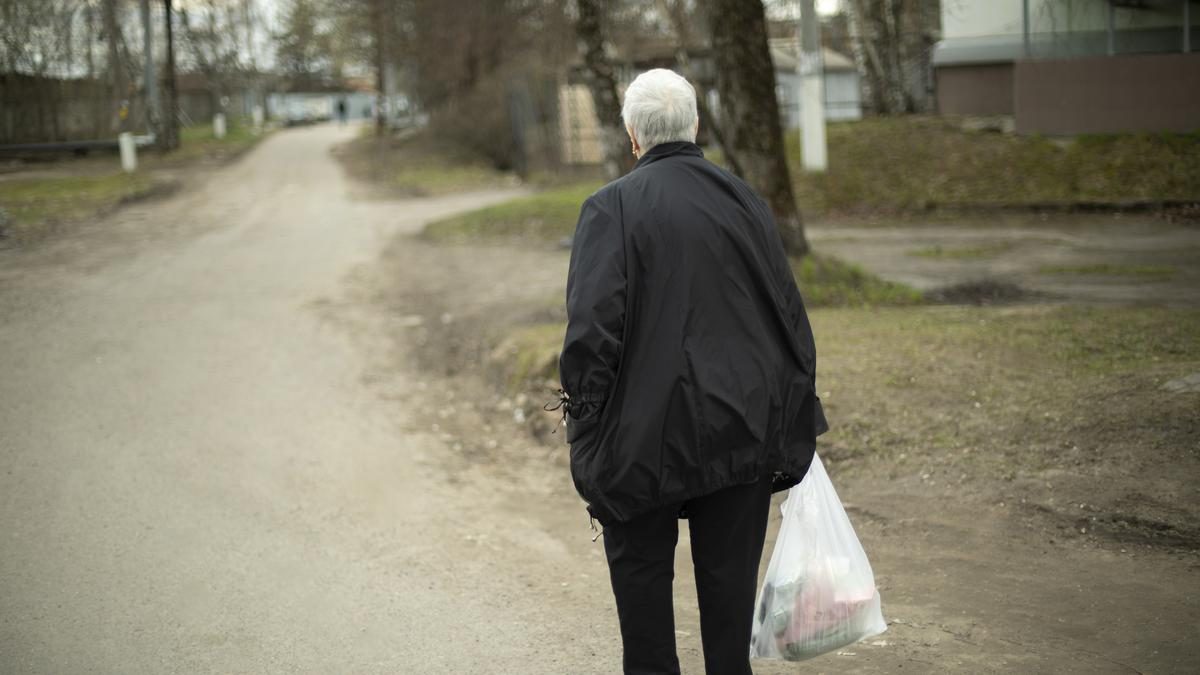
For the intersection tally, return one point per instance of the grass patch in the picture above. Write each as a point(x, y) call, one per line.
point(545, 217)
point(551, 216)
point(1162, 272)
point(999, 392)
point(828, 282)
point(1099, 340)
point(35, 203)
point(418, 165)
point(1105, 341)
point(198, 142)
point(527, 357)
point(36, 206)
point(912, 163)
point(944, 165)
point(962, 252)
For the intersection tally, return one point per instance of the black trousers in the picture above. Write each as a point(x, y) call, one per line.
point(727, 531)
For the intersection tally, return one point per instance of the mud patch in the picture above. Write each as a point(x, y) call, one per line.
point(983, 292)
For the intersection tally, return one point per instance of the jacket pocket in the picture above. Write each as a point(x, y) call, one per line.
point(585, 460)
point(577, 429)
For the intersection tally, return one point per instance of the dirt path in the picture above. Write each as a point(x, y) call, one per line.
point(194, 477)
point(974, 580)
point(244, 430)
point(1133, 259)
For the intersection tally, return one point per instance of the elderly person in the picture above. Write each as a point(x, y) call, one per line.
point(687, 373)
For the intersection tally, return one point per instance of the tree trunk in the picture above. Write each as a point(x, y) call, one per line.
point(677, 12)
point(170, 108)
point(603, 84)
point(118, 90)
point(892, 42)
point(854, 26)
point(750, 111)
point(382, 104)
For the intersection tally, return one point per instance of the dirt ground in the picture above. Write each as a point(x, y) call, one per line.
point(1082, 258)
point(976, 577)
point(253, 428)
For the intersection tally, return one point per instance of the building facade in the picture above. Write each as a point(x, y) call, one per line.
point(1063, 67)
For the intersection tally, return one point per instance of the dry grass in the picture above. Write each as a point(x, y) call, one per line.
point(418, 165)
point(913, 163)
point(35, 205)
point(86, 188)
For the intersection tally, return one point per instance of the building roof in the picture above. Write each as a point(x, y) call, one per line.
point(977, 50)
point(785, 53)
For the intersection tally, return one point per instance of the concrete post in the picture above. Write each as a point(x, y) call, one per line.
point(1187, 26)
point(812, 91)
point(219, 125)
point(128, 152)
point(256, 113)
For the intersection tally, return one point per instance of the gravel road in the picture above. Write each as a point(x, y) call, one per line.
point(194, 478)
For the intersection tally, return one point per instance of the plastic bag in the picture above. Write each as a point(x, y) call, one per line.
point(819, 593)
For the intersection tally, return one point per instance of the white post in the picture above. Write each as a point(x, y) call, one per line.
point(128, 152)
point(219, 125)
point(812, 91)
point(256, 114)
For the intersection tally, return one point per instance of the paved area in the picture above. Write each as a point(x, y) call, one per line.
point(1098, 259)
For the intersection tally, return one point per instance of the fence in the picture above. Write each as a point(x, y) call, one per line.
point(46, 109)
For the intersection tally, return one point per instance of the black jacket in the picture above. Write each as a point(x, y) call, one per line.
point(689, 360)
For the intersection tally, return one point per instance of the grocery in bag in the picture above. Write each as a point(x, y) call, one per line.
point(819, 593)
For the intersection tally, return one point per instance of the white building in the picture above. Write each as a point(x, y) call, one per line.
point(843, 95)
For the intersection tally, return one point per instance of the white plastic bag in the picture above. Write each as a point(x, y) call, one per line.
point(819, 593)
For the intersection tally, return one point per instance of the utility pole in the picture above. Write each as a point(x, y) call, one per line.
point(149, 81)
point(170, 121)
point(383, 73)
point(812, 91)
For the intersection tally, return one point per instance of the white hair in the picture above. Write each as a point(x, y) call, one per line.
point(660, 107)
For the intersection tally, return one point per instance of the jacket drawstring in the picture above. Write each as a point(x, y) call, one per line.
point(564, 404)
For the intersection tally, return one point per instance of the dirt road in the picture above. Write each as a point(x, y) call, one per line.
point(217, 454)
point(194, 478)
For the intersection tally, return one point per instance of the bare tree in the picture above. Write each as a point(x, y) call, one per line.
point(750, 111)
point(381, 40)
point(680, 18)
point(486, 72)
point(302, 48)
point(602, 81)
point(170, 121)
point(208, 31)
point(892, 42)
point(118, 85)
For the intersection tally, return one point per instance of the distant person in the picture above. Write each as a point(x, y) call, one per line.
point(688, 376)
point(341, 111)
